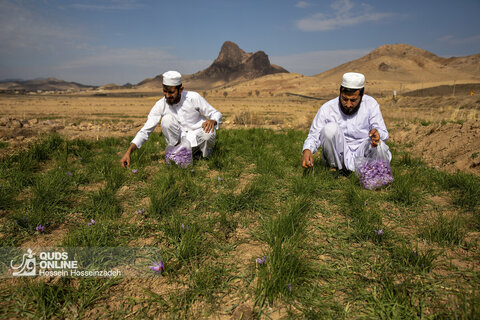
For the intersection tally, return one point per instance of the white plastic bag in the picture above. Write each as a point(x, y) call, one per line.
point(373, 170)
point(181, 154)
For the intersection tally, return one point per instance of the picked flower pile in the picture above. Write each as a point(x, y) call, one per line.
point(375, 174)
point(181, 155)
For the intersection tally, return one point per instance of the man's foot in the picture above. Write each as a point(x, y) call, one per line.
point(334, 172)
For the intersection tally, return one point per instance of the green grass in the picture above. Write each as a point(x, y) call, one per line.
point(444, 230)
point(332, 249)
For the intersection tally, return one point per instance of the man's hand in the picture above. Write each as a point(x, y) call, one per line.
point(125, 161)
point(375, 138)
point(209, 125)
point(307, 159)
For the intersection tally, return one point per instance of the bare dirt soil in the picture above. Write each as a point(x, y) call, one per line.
point(443, 131)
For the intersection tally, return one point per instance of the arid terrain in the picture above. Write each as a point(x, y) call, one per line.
point(349, 251)
point(443, 131)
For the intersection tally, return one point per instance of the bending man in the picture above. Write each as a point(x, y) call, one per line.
point(347, 127)
point(183, 114)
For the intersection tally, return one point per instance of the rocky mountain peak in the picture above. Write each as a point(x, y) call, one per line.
point(233, 64)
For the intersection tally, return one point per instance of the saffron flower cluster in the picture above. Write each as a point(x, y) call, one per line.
point(261, 261)
point(158, 267)
point(181, 155)
point(375, 174)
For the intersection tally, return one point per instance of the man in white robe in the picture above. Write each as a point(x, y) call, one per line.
point(347, 127)
point(182, 115)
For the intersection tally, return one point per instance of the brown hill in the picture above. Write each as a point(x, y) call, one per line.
point(398, 67)
point(405, 63)
point(232, 65)
point(48, 84)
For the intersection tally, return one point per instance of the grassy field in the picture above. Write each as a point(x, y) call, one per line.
point(245, 234)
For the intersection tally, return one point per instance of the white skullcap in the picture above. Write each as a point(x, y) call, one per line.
point(172, 78)
point(353, 80)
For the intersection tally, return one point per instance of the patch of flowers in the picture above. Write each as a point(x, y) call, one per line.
point(375, 174)
point(180, 155)
point(261, 261)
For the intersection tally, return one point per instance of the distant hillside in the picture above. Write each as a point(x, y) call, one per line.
point(402, 62)
point(49, 84)
point(398, 67)
point(232, 65)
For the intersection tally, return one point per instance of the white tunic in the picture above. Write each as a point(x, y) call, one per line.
point(191, 111)
point(355, 127)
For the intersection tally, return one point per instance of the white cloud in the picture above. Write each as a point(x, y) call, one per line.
point(108, 5)
point(302, 4)
point(125, 65)
point(452, 40)
point(315, 62)
point(22, 29)
point(344, 13)
point(33, 46)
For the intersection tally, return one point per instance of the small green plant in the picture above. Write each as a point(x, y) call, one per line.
point(445, 230)
point(413, 258)
point(102, 203)
point(404, 189)
point(59, 299)
point(396, 300)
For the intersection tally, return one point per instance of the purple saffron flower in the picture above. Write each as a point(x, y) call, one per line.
point(182, 226)
point(375, 174)
point(157, 267)
point(290, 287)
point(220, 179)
point(378, 232)
point(92, 222)
point(68, 173)
point(40, 228)
point(180, 155)
point(261, 261)
point(140, 211)
point(134, 171)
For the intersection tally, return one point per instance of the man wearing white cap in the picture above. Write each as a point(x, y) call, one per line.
point(347, 127)
point(182, 114)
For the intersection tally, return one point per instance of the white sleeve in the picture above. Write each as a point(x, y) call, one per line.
point(207, 110)
point(312, 142)
point(153, 119)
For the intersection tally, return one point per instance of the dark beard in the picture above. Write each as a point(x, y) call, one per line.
point(351, 111)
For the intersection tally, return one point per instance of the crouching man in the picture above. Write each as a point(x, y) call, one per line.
point(347, 127)
point(182, 114)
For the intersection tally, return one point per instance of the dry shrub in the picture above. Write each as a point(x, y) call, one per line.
point(247, 118)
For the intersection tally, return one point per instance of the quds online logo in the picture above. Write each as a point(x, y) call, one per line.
point(28, 266)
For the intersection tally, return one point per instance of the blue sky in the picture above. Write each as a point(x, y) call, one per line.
point(103, 41)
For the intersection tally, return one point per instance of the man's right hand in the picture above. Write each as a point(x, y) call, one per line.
point(307, 159)
point(125, 161)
